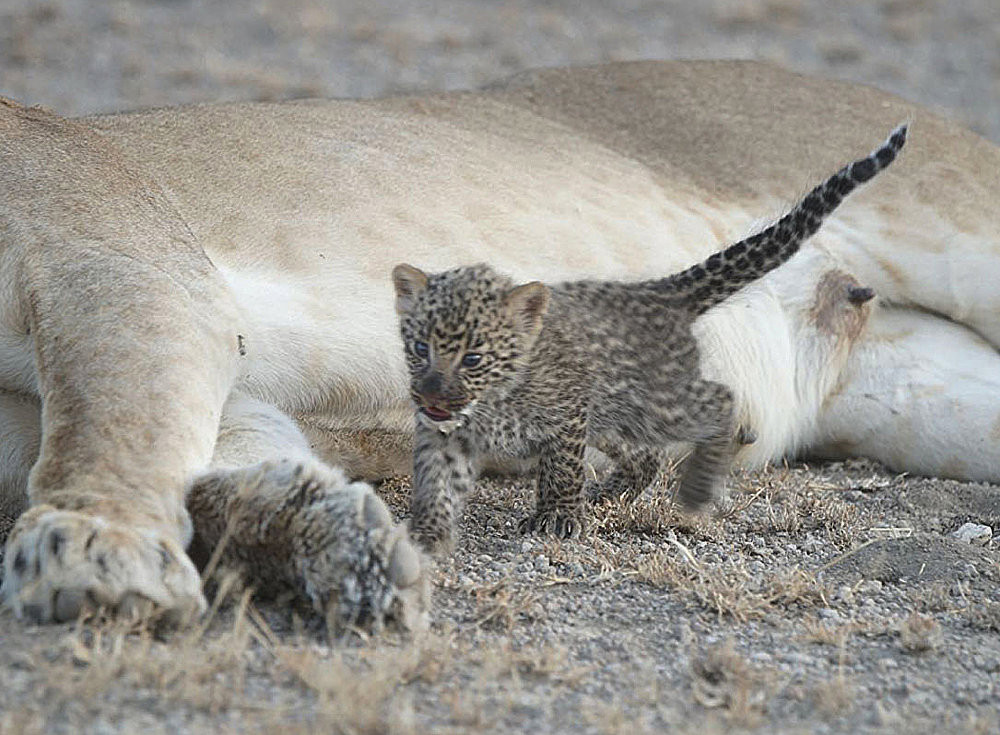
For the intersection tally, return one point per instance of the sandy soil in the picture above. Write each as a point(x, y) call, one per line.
point(825, 599)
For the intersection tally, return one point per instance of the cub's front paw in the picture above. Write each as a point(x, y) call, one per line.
point(555, 523)
point(59, 563)
point(433, 539)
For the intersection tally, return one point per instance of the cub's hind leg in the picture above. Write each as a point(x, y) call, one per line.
point(706, 419)
point(292, 522)
point(696, 411)
point(634, 470)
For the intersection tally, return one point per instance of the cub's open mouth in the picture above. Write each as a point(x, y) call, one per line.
point(436, 414)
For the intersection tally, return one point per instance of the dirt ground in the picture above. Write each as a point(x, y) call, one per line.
point(830, 598)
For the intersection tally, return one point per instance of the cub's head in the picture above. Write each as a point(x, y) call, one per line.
point(465, 331)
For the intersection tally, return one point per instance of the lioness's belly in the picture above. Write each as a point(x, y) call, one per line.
point(306, 207)
point(307, 230)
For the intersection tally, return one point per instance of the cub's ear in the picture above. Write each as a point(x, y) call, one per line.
point(528, 304)
point(409, 282)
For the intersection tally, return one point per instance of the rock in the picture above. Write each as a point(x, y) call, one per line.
point(989, 664)
point(974, 533)
point(915, 560)
point(845, 594)
point(885, 664)
point(796, 658)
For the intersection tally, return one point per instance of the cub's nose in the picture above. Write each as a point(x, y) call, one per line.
point(434, 399)
point(431, 387)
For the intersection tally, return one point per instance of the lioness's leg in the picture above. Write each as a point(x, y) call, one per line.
point(920, 393)
point(371, 454)
point(289, 521)
point(20, 436)
point(132, 339)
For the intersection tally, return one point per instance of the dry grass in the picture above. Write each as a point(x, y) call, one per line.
point(721, 678)
point(984, 615)
point(796, 507)
point(729, 588)
point(505, 603)
point(360, 690)
point(612, 718)
point(835, 697)
point(828, 634)
point(503, 658)
point(934, 597)
point(546, 662)
point(836, 634)
point(654, 514)
point(205, 672)
point(220, 668)
point(958, 598)
point(920, 634)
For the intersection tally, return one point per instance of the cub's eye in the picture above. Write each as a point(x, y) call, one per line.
point(421, 349)
point(471, 359)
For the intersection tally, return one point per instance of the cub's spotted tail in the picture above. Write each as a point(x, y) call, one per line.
point(702, 286)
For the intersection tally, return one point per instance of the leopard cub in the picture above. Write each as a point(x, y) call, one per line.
point(535, 372)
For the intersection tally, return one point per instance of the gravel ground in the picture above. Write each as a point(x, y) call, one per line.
point(832, 598)
point(78, 56)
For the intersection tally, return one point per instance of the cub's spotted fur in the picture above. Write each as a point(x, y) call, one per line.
point(535, 372)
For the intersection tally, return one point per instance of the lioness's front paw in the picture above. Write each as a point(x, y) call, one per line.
point(562, 524)
point(334, 542)
point(59, 563)
point(365, 571)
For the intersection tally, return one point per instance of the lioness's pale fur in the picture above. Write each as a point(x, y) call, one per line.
point(624, 170)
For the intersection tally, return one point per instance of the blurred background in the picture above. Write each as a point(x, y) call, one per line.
point(79, 56)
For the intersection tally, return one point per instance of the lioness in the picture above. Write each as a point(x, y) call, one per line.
point(178, 283)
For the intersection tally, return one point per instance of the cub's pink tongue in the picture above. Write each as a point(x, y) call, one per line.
point(438, 414)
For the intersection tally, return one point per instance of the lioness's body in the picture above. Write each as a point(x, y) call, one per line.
point(627, 170)
point(302, 208)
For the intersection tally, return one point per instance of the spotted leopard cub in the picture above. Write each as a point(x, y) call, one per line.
point(535, 372)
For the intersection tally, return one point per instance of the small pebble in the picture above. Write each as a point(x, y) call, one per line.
point(794, 657)
point(986, 663)
point(845, 593)
point(974, 533)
